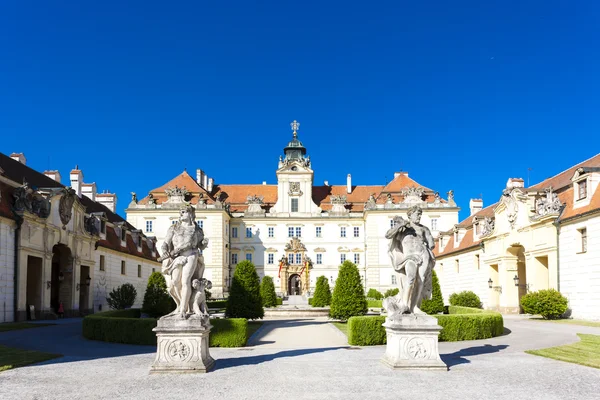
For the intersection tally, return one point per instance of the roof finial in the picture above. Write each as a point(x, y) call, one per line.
point(295, 125)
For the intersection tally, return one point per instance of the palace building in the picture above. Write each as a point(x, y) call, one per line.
point(294, 231)
point(63, 245)
point(539, 237)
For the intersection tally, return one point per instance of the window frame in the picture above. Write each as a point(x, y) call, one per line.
point(294, 203)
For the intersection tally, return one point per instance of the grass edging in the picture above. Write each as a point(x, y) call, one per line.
point(585, 352)
point(11, 357)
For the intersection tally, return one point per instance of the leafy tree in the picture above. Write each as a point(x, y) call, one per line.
point(122, 297)
point(322, 296)
point(374, 294)
point(465, 298)
point(434, 305)
point(550, 304)
point(391, 292)
point(157, 302)
point(267, 292)
point(348, 298)
point(244, 298)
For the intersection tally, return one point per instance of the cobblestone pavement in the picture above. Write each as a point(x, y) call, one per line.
point(302, 359)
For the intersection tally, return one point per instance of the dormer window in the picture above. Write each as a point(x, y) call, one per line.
point(582, 189)
point(103, 226)
point(123, 234)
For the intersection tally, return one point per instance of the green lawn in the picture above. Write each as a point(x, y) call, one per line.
point(570, 322)
point(13, 358)
point(342, 326)
point(586, 352)
point(13, 326)
point(253, 327)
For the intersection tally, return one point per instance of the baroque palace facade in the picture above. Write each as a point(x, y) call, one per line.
point(540, 237)
point(63, 245)
point(293, 231)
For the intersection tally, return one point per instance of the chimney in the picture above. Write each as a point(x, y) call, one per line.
point(89, 190)
point(108, 199)
point(397, 174)
point(475, 205)
point(211, 182)
point(53, 175)
point(515, 183)
point(349, 184)
point(264, 183)
point(20, 157)
point(199, 176)
point(204, 181)
point(326, 183)
point(76, 180)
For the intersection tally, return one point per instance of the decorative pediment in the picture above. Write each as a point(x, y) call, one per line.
point(295, 246)
point(511, 196)
point(412, 194)
point(320, 250)
point(271, 250)
point(357, 250)
point(548, 204)
point(176, 194)
point(343, 249)
point(249, 248)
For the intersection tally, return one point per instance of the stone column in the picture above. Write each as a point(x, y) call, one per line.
point(47, 277)
point(509, 300)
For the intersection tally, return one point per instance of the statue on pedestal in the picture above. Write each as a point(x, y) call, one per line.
point(410, 250)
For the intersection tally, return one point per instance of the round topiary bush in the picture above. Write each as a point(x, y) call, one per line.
point(348, 298)
point(435, 305)
point(157, 301)
point(391, 292)
point(322, 296)
point(244, 298)
point(374, 294)
point(267, 292)
point(465, 298)
point(550, 304)
point(122, 297)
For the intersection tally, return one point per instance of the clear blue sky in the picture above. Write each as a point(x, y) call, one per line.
point(462, 95)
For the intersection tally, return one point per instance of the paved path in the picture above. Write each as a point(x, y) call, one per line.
point(298, 333)
point(487, 369)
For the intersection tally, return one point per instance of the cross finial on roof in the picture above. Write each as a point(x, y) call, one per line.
point(295, 125)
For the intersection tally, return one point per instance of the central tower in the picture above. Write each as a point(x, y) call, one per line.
point(295, 180)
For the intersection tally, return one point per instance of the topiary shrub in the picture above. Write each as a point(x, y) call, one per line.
point(322, 296)
point(391, 292)
point(228, 332)
point(550, 304)
point(374, 303)
point(122, 297)
point(157, 301)
point(267, 292)
point(374, 294)
point(244, 298)
point(465, 298)
point(435, 305)
point(366, 331)
point(348, 298)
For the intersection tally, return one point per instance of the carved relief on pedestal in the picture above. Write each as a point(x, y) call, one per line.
point(417, 348)
point(178, 351)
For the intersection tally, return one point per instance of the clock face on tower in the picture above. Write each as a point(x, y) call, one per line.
point(294, 168)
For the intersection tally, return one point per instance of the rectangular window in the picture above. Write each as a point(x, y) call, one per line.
point(356, 258)
point(318, 231)
point(290, 258)
point(342, 258)
point(298, 258)
point(148, 226)
point(173, 222)
point(477, 261)
point(139, 271)
point(249, 256)
point(582, 189)
point(248, 232)
point(153, 270)
point(319, 258)
point(201, 224)
point(123, 268)
point(298, 231)
point(356, 231)
point(234, 259)
point(343, 231)
point(139, 240)
point(392, 223)
point(434, 224)
point(103, 226)
point(233, 232)
point(271, 232)
point(291, 231)
point(583, 240)
point(456, 266)
point(294, 205)
point(102, 263)
point(478, 229)
point(394, 282)
point(270, 258)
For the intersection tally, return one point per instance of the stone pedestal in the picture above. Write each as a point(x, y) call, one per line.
point(412, 343)
point(182, 346)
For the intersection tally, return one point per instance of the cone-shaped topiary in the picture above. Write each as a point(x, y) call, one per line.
point(322, 296)
point(244, 298)
point(267, 292)
point(348, 298)
point(434, 305)
point(122, 297)
point(157, 301)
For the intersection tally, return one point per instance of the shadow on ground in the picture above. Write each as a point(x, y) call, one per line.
point(457, 358)
point(223, 363)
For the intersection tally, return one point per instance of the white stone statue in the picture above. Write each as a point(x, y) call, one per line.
point(410, 250)
point(182, 262)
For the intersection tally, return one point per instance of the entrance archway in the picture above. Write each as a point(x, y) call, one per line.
point(294, 285)
point(61, 278)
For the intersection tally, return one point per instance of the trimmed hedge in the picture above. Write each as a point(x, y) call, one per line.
point(374, 294)
point(126, 326)
point(391, 292)
point(279, 301)
point(374, 303)
point(217, 304)
point(463, 323)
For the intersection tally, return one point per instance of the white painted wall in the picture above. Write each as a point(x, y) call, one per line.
point(7, 270)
